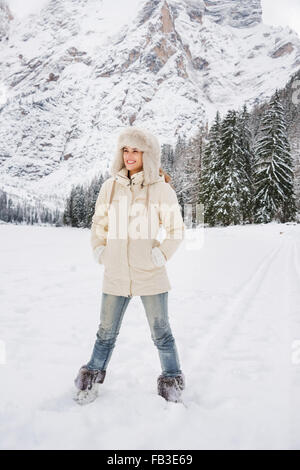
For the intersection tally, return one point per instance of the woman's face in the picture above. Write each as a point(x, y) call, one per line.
point(133, 159)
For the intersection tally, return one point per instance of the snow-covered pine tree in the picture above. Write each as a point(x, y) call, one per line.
point(231, 169)
point(178, 175)
point(190, 176)
point(91, 198)
point(4, 212)
point(273, 172)
point(210, 175)
point(191, 168)
point(80, 208)
point(247, 156)
point(67, 215)
point(290, 99)
point(167, 159)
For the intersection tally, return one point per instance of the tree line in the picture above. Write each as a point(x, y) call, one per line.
point(24, 212)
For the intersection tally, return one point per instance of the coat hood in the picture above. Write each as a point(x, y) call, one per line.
point(144, 141)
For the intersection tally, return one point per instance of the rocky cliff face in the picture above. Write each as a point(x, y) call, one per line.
point(235, 13)
point(74, 74)
point(5, 18)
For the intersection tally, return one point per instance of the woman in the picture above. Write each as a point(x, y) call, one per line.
point(131, 206)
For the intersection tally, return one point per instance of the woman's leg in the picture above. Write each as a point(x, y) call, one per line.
point(156, 308)
point(113, 308)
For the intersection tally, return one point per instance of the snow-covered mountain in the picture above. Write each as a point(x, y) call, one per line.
point(76, 72)
point(5, 18)
point(236, 13)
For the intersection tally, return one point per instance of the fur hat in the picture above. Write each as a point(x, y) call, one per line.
point(146, 142)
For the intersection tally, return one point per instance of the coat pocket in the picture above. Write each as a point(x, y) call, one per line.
point(115, 258)
point(140, 256)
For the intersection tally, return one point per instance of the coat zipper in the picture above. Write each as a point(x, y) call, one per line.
point(130, 293)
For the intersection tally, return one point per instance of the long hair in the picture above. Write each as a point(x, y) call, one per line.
point(168, 178)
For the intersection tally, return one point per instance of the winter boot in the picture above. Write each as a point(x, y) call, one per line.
point(87, 383)
point(170, 388)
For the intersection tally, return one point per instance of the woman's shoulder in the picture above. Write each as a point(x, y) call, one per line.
point(165, 191)
point(107, 184)
point(105, 190)
point(109, 180)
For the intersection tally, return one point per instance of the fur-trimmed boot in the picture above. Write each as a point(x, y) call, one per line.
point(170, 388)
point(87, 383)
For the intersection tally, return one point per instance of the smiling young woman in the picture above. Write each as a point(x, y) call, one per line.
point(133, 159)
point(132, 205)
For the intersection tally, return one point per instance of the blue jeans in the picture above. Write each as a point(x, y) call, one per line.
point(112, 311)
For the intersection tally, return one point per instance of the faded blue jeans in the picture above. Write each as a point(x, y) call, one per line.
point(113, 308)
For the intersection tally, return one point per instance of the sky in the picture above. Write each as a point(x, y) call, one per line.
point(285, 13)
point(276, 12)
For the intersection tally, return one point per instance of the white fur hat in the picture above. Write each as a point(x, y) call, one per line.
point(146, 142)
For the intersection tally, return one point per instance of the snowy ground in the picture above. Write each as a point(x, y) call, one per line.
point(234, 309)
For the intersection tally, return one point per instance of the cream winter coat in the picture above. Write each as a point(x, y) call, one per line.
point(127, 218)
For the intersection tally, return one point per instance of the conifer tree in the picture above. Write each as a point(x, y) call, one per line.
point(167, 159)
point(79, 206)
point(231, 170)
point(210, 176)
point(247, 158)
point(273, 172)
point(192, 167)
point(93, 192)
point(178, 175)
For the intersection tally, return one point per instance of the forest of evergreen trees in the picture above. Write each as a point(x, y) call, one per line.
point(247, 178)
point(80, 205)
point(25, 213)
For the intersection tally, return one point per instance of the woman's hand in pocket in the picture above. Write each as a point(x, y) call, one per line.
point(158, 257)
point(99, 253)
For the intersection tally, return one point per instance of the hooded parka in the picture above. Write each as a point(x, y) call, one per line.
point(128, 214)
